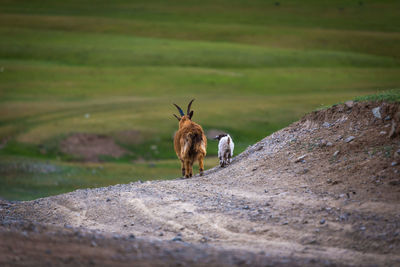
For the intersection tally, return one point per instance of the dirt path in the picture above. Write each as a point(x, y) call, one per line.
point(291, 196)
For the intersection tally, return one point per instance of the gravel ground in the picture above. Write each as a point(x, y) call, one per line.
point(323, 191)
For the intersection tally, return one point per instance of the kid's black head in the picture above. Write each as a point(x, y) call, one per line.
point(218, 137)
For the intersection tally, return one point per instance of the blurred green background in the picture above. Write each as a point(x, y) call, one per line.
point(100, 77)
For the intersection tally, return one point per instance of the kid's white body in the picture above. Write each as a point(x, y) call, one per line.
point(225, 150)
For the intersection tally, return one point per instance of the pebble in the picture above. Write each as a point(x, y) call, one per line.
point(382, 132)
point(322, 221)
point(349, 104)
point(203, 239)
point(392, 132)
point(108, 200)
point(132, 236)
point(349, 139)
point(326, 124)
point(394, 163)
point(336, 153)
point(377, 112)
point(177, 238)
point(285, 223)
point(116, 236)
point(387, 118)
point(329, 144)
point(344, 217)
point(300, 159)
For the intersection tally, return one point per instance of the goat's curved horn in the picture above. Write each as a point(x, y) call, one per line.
point(190, 104)
point(180, 110)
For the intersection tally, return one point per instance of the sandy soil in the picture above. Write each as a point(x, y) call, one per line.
point(323, 191)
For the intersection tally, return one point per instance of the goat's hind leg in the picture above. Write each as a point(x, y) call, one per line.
point(187, 168)
point(221, 162)
point(201, 165)
point(226, 158)
point(191, 168)
point(183, 168)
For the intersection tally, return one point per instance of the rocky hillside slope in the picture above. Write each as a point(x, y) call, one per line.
point(323, 191)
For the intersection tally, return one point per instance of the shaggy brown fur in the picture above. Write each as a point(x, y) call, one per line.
point(190, 142)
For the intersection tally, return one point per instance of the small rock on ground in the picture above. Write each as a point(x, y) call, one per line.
point(377, 112)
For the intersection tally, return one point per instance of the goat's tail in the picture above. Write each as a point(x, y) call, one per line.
point(193, 144)
point(187, 145)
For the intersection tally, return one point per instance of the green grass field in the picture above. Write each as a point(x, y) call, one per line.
point(106, 67)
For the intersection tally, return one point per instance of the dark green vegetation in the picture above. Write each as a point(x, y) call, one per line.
point(107, 67)
point(388, 96)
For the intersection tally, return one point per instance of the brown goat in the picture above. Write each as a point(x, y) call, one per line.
point(190, 143)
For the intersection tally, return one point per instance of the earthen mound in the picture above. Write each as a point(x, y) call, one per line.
point(323, 191)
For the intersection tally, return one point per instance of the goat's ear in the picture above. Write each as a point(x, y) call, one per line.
point(191, 114)
point(177, 117)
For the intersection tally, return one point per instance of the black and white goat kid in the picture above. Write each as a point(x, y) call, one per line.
point(225, 149)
